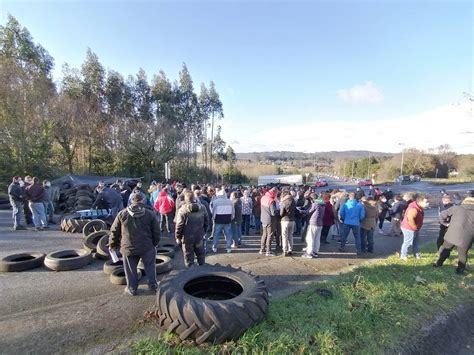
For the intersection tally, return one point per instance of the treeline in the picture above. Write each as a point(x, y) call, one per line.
point(440, 162)
point(95, 121)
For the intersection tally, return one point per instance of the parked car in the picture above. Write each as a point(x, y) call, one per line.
point(321, 183)
point(365, 182)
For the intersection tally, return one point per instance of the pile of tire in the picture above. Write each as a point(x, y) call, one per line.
point(61, 260)
point(211, 303)
point(74, 198)
point(73, 224)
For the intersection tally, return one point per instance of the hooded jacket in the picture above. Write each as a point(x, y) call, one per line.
point(316, 213)
point(237, 210)
point(164, 203)
point(461, 223)
point(268, 208)
point(371, 215)
point(287, 208)
point(135, 230)
point(352, 213)
point(192, 222)
point(222, 209)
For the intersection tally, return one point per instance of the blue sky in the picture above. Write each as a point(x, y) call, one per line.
point(300, 75)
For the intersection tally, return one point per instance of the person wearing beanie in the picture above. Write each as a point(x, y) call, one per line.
point(136, 232)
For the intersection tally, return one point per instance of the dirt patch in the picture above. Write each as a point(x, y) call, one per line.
point(448, 333)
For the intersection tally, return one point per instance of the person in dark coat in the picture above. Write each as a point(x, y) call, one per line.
point(236, 222)
point(446, 202)
point(192, 222)
point(396, 215)
point(383, 208)
point(460, 233)
point(35, 195)
point(136, 231)
point(110, 199)
point(269, 220)
point(16, 196)
point(287, 215)
point(328, 218)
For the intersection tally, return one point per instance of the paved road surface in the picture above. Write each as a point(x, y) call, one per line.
point(76, 311)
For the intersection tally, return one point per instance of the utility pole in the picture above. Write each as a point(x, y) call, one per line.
point(403, 156)
point(352, 175)
point(368, 168)
point(212, 143)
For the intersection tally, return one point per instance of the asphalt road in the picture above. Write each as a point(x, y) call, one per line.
point(80, 311)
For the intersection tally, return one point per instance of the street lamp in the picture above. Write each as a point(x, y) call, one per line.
point(403, 156)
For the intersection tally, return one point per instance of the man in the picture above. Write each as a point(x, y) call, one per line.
point(136, 231)
point(27, 181)
point(110, 199)
point(164, 205)
point(287, 214)
point(411, 225)
point(191, 225)
point(48, 201)
point(125, 192)
point(446, 203)
point(247, 206)
point(460, 232)
point(315, 225)
point(268, 218)
point(359, 193)
point(222, 214)
point(396, 214)
point(368, 224)
point(35, 196)
point(15, 194)
point(236, 222)
point(351, 214)
point(372, 193)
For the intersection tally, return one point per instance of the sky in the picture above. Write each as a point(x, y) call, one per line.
point(305, 76)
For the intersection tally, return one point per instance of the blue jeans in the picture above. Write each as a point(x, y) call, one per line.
point(410, 238)
point(346, 228)
point(245, 224)
point(39, 214)
point(236, 232)
point(217, 231)
point(258, 223)
point(367, 240)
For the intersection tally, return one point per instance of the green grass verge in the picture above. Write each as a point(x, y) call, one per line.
point(450, 181)
point(374, 307)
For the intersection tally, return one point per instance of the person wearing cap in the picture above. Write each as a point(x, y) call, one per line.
point(136, 232)
point(367, 226)
point(48, 201)
point(460, 233)
point(16, 196)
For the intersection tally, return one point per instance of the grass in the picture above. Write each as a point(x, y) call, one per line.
point(373, 309)
point(450, 181)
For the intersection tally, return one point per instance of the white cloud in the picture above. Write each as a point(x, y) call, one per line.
point(360, 94)
point(449, 124)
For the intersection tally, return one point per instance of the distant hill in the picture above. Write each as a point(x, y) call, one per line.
point(285, 155)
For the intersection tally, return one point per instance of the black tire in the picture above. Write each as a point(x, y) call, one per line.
point(76, 225)
point(64, 260)
point(110, 266)
point(117, 277)
point(90, 243)
point(21, 262)
point(165, 251)
point(84, 200)
point(163, 264)
point(92, 226)
point(103, 247)
point(211, 303)
point(62, 207)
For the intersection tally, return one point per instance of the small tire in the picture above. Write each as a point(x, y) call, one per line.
point(163, 264)
point(117, 277)
point(211, 303)
point(21, 262)
point(64, 260)
point(90, 243)
point(92, 226)
point(165, 251)
point(110, 266)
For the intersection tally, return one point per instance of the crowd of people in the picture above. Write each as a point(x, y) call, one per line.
point(198, 215)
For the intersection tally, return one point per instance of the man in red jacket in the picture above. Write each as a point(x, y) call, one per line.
point(164, 205)
point(411, 225)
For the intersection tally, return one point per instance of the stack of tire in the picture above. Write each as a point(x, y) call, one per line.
point(74, 198)
point(73, 224)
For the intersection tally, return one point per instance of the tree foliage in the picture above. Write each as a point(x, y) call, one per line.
point(94, 121)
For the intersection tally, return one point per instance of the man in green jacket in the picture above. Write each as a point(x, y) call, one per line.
point(136, 231)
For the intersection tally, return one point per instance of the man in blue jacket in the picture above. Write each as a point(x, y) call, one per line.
point(351, 214)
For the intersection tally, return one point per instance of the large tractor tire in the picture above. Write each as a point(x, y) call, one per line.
point(92, 226)
point(211, 303)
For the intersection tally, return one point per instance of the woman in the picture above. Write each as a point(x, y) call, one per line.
point(315, 226)
point(328, 218)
